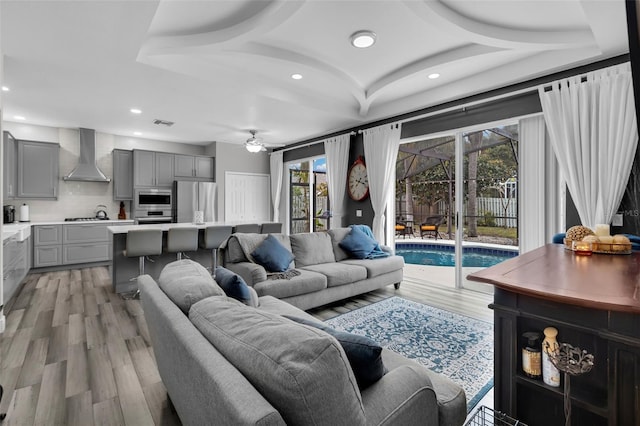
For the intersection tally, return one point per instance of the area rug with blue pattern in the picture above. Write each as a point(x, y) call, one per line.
point(455, 345)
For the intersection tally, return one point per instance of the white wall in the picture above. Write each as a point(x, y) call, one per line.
point(235, 158)
point(79, 199)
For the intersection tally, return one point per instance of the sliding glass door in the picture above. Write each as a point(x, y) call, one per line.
point(489, 206)
point(458, 192)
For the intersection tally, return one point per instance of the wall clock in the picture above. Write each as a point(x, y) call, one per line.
point(357, 181)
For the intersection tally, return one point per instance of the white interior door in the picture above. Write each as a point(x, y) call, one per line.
point(247, 197)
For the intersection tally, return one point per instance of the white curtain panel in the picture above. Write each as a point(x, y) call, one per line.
point(532, 184)
point(336, 151)
point(277, 165)
point(381, 151)
point(592, 125)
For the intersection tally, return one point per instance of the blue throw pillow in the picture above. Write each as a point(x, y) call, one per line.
point(358, 244)
point(233, 285)
point(364, 355)
point(272, 255)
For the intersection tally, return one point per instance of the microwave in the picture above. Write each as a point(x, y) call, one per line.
point(153, 202)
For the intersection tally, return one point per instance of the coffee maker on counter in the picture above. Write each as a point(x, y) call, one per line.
point(9, 214)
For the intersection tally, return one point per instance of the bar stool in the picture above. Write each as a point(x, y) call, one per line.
point(213, 237)
point(248, 228)
point(182, 239)
point(142, 243)
point(271, 228)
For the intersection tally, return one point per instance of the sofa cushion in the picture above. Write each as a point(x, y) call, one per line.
point(272, 255)
point(306, 282)
point(358, 244)
point(379, 266)
point(185, 282)
point(339, 273)
point(363, 353)
point(301, 371)
point(338, 235)
point(234, 286)
point(312, 248)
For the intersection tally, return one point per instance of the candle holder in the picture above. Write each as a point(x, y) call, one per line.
point(582, 248)
point(572, 361)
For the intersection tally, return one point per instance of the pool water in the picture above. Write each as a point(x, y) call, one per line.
point(474, 257)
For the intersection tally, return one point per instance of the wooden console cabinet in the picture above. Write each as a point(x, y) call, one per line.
point(594, 302)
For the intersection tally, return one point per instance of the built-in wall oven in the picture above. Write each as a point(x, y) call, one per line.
point(153, 205)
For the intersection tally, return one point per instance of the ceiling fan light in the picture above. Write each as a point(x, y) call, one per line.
point(363, 39)
point(253, 147)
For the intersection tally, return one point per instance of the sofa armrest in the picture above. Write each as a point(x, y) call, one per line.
point(251, 273)
point(403, 396)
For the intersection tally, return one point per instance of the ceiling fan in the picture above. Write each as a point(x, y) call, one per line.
point(253, 144)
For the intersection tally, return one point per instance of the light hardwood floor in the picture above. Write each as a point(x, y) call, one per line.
point(75, 353)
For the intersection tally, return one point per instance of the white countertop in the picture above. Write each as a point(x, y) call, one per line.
point(166, 226)
point(18, 231)
point(22, 230)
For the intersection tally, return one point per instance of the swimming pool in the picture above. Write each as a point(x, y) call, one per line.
point(444, 255)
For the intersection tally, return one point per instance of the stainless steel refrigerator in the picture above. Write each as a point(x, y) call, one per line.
point(190, 197)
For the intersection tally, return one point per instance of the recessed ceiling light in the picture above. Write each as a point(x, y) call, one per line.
point(296, 76)
point(137, 133)
point(135, 111)
point(5, 89)
point(19, 117)
point(434, 75)
point(363, 39)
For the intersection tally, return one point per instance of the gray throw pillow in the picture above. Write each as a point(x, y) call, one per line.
point(185, 282)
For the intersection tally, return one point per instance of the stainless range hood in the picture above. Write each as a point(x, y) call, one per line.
point(87, 169)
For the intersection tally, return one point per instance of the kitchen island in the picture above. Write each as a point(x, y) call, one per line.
point(594, 302)
point(124, 270)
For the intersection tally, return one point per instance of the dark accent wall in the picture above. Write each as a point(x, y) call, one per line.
point(357, 149)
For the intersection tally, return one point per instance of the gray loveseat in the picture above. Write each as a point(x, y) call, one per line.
point(225, 363)
point(327, 272)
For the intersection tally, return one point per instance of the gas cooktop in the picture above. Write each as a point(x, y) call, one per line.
point(84, 219)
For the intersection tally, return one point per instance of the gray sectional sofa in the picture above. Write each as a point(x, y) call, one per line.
point(327, 272)
point(225, 363)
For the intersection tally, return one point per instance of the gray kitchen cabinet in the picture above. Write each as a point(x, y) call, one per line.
point(205, 168)
point(47, 256)
point(164, 169)
point(47, 245)
point(9, 164)
point(85, 253)
point(144, 168)
point(38, 175)
point(85, 243)
point(72, 234)
point(46, 235)
point(15, 264)
point(184, 165)
point(71, 244)
point(152, 168)
point(122, 174)
point(190, 166)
